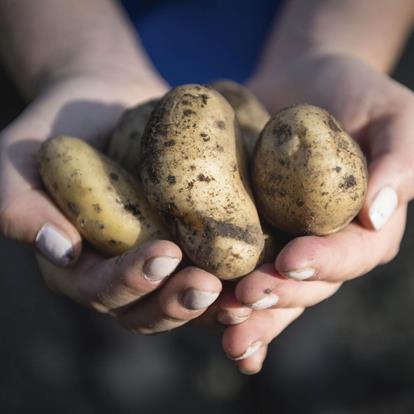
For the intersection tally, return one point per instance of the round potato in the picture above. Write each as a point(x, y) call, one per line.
point(309, 176)
point(191, 170)
point(124, 145)
point(102, 200)
point(250, 113)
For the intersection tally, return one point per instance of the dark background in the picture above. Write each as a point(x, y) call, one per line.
point(352, 353)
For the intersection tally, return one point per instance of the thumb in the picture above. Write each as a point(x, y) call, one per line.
point(32, 218)
point(391, 175)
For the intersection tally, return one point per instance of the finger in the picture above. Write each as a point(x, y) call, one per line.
point(32, 218)
point(226, 310)
point(265, 288)
point(242, 341)
point(252, 365)
point(342, 256)
point(107, 284)
point(184, 297)
point(229, 310)
point(391, 172)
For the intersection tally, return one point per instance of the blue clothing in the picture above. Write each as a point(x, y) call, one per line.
point(201, 40)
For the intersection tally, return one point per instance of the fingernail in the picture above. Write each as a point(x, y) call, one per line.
point(266, 302)
point(159, 268)
point(247, 372)
point(301, 274)
point(253, 348)
point(382, 208)
point(230, 318)
point(195, 299)
point(54, 245)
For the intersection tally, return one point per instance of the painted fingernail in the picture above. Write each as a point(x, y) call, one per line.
point(300, 274)
point(159, 268)
point(54, 245)
point(252, 349)
point(382, 208)
point(266, 302)
point(230, 318)
point(247, 372)
point(195, 299)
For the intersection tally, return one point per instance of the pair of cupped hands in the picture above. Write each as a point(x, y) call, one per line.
point(143, 290)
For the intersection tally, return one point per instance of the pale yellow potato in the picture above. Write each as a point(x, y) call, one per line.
point(124, 145)
point(309, 176)
point(250, 112)
point(103, 201)
point(191, 172)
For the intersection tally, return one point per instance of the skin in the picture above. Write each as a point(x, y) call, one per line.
point(308, 174)
point(103, 201)
point(98, 70)
point(190, 154)
point(355, 41)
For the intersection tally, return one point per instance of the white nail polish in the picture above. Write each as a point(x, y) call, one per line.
point(195, 299)
point(54, 245)
point(252, 349)
point(160, 267)
point(382, 208)
point(245, 372)
point(264, 303)
point(228, 318)
point(300, 274)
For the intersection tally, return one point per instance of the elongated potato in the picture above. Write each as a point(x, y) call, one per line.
point(124, 145)
point(191, 172)
point(309, 175)
point(250, 112)
point(102, 200)
point(252, 117)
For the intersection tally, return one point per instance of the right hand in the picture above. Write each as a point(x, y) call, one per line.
point(135, 287)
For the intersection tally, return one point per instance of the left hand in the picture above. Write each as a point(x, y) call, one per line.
point(378, 113)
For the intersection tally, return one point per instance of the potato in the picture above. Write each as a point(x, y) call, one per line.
point(252, 117)
point(124, 145)
point(102, 200)
point(191, 171)
point(309, 175)
point(250, 113)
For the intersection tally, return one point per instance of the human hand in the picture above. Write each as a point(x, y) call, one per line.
point(378, 113)
point(134, 287)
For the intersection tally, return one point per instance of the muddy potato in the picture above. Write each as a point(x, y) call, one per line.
point(250, 113)
point(124, 145)
point(252, 117)
point(191, 172)
point(100, 198)
point(309, 175)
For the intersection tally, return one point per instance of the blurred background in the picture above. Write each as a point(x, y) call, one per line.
point(352, 353)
